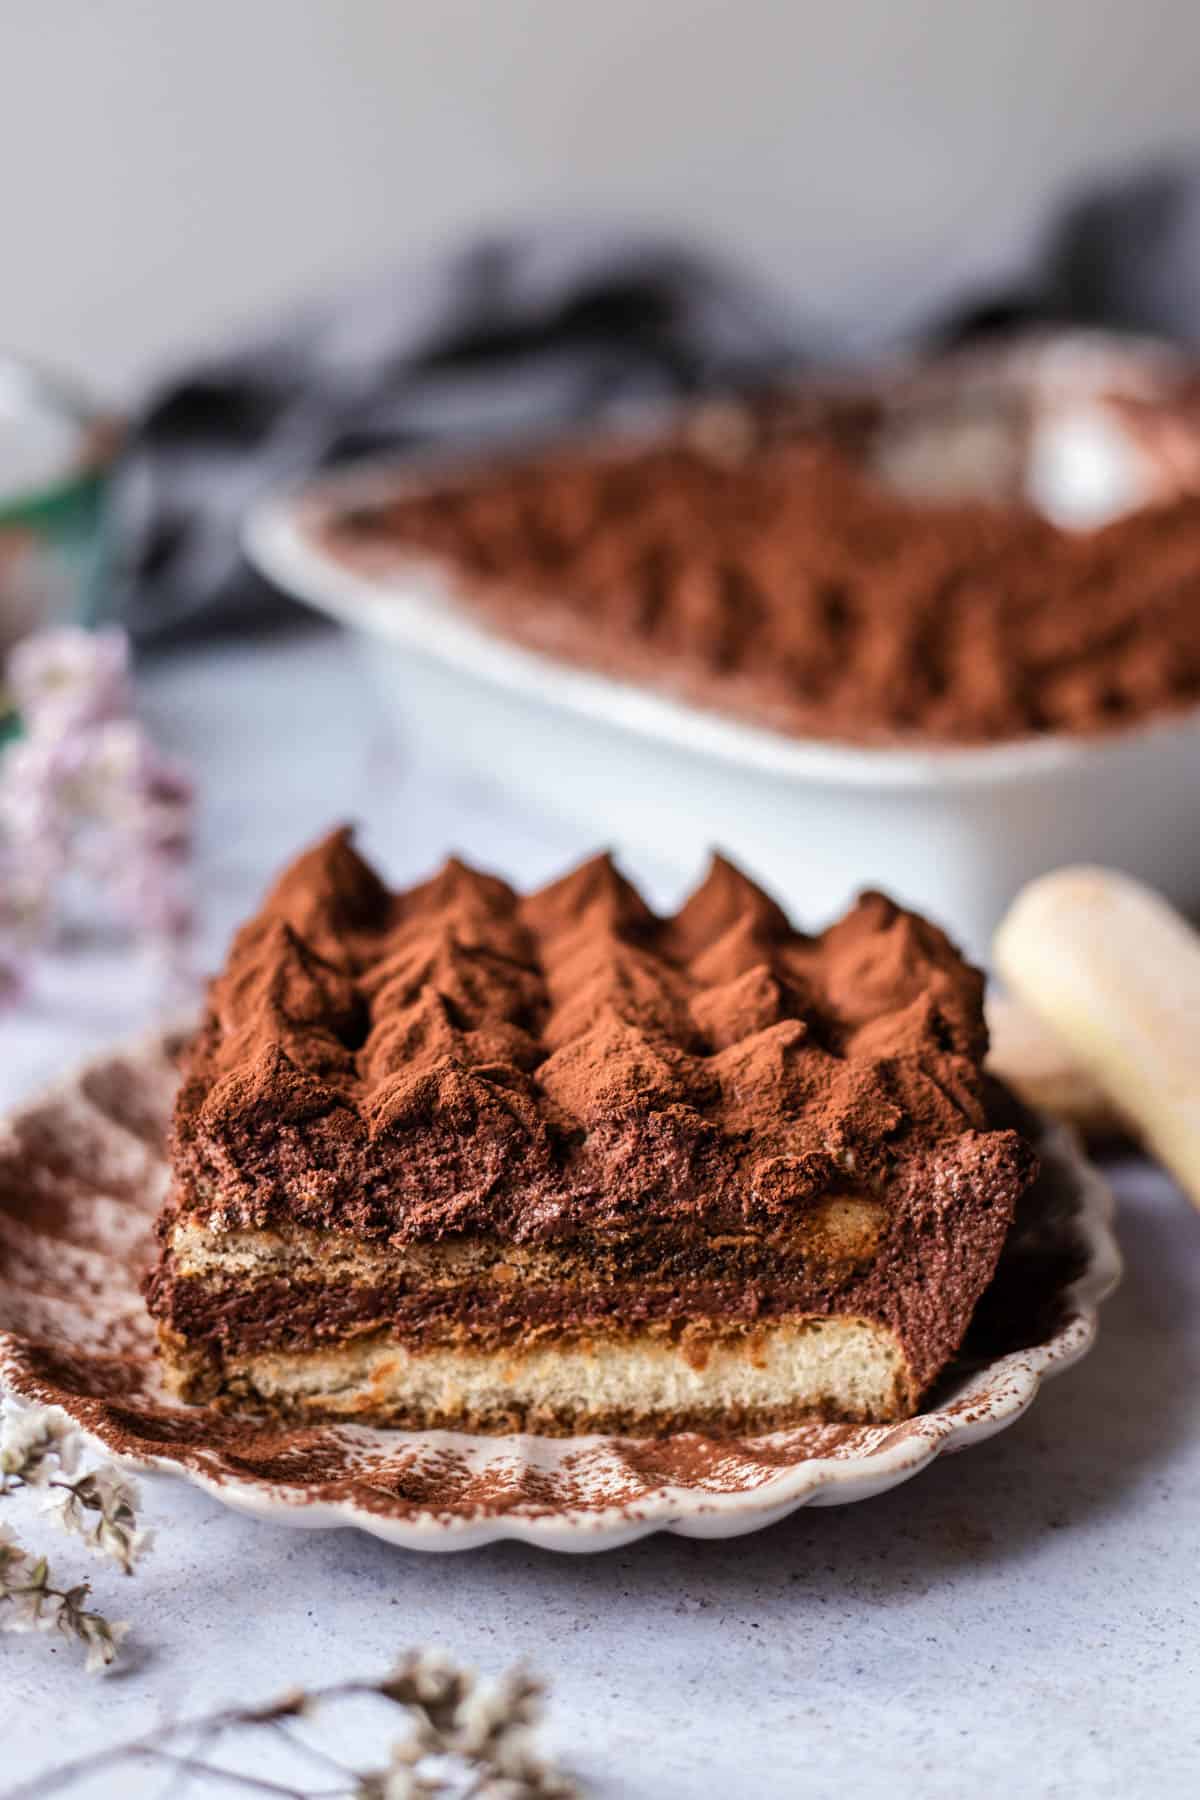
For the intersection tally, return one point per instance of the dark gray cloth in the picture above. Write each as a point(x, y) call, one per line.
point(537, 331)
point(1123, 255)
point(515, 336)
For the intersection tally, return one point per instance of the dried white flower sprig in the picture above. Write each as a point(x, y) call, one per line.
point(85, 795)
point(40, 1448)
point(464, 1737)
point(465, 1740)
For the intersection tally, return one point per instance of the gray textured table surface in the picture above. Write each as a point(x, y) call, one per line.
point(1023, 1619)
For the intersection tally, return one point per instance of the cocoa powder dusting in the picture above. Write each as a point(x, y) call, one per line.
point(459, 1059)
point(784, 582)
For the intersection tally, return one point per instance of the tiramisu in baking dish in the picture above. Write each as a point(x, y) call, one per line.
point(934, 631)
point(461, 1157)
point(898, 562)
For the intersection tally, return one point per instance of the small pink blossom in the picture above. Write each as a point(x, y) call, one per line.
point(68, 677)
point(86, 794)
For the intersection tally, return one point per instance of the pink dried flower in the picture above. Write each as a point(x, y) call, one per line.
point(69, 677)
point(87, 793)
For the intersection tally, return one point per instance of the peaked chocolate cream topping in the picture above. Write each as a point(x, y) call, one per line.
point(458, 1058)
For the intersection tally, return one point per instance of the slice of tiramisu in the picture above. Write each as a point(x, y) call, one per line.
point(458, 1157)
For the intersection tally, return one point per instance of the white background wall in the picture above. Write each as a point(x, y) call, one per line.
point(172, 167)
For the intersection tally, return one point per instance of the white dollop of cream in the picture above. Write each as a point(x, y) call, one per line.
point(1084, 467)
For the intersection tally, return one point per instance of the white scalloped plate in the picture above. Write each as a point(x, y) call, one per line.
point(81, 1177)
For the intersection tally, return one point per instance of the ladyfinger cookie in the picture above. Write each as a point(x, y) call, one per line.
point(1032, 1060)
point(1114, 972)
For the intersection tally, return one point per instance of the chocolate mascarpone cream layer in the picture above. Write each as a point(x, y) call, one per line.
point(463, 1157)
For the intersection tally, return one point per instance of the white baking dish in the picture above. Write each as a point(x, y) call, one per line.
point(953, 832)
